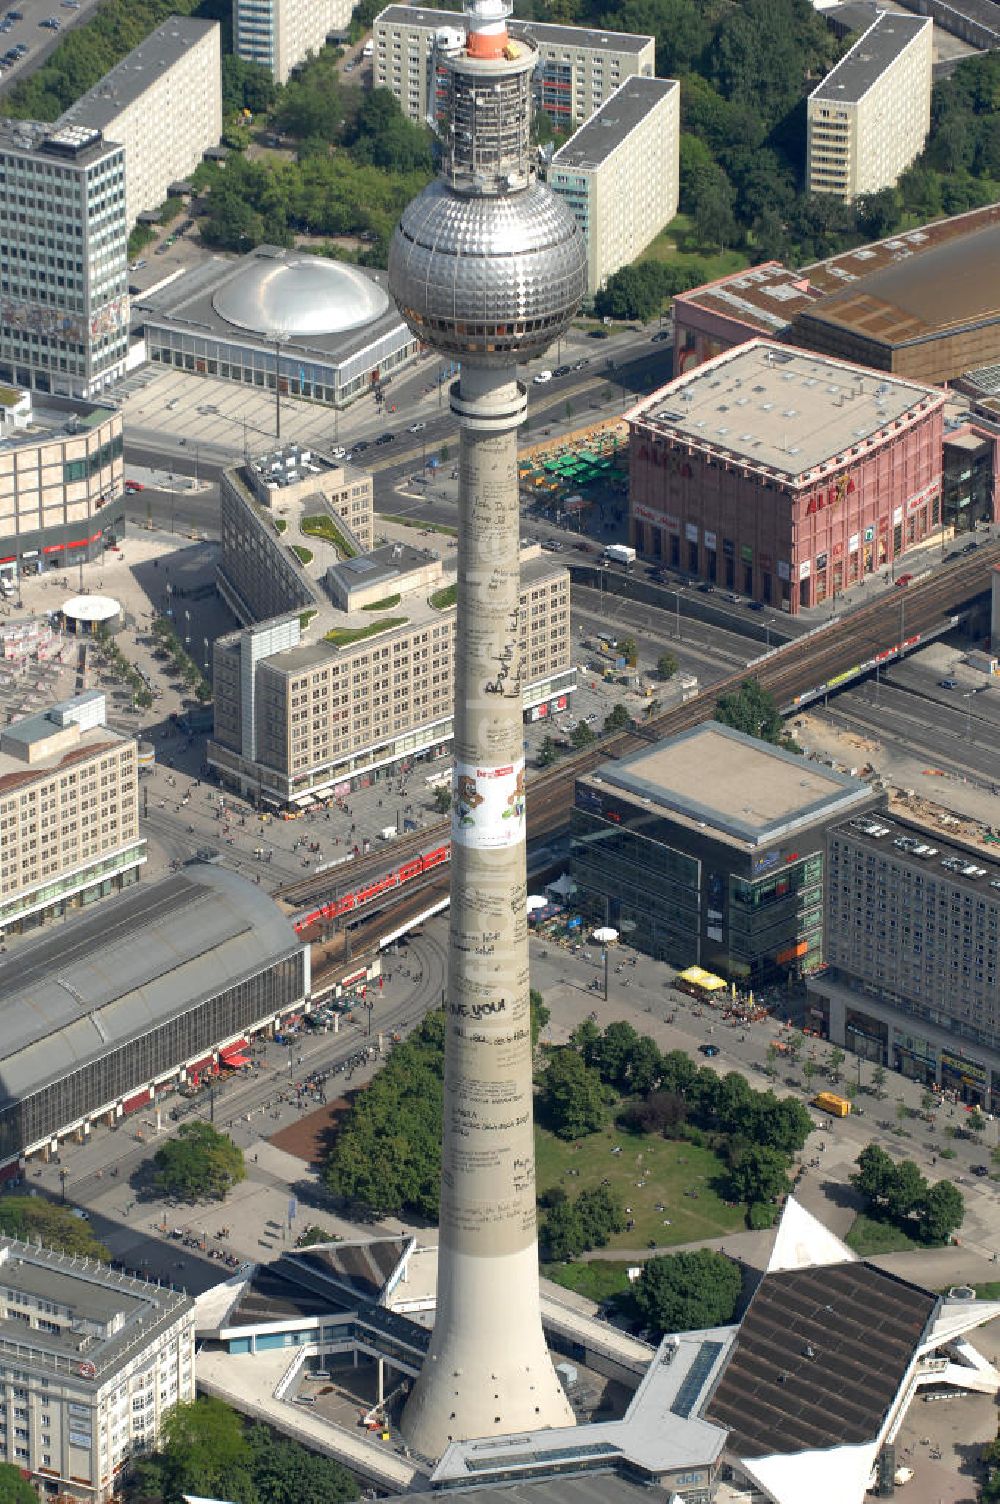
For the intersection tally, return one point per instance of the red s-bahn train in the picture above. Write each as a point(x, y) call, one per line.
point(348, 902)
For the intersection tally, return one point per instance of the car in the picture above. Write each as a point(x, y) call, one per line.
point(562, 370)
point(362, 445)
point(15, 15)
point(903, 581)
point(6, 26)
point(980, 1170)
point(706, 587)
point(161, 250)
point(552, 544)
point(578, 365)
point(78, 1211)
point(10, 57)
point(338, 452)
point(305, 1399)
point(50, 23)
point(709, 1049)
point(755, 605)
point(947, 684)
point(71, 4)
point(737, 600)
point(416, 428)
point(970, 548)
point(661, 334)
point(134, 485)
point(21, 50)
point(385, 438)
point(541, 377)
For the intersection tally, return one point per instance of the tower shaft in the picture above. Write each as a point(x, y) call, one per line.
point(488, 1370)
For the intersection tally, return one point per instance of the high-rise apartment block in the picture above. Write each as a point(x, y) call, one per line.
point(61, 481)
point(619, 173)
point(869, 118)
point(163, 103)
point(577, 69)
point(280, 33)
point(345, 664)
point(913, 946)
point(63, 258)
point(69, 813)
point(92, 1362)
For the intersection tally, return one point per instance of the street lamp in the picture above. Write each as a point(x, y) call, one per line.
point(63, 1174)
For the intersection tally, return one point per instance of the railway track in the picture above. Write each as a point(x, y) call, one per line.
point(795, 673)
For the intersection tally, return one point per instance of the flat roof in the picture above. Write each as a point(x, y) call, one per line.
point(92, 741)
point(882, 832)
point(541, 31)
point(187, 305)
point(71, 145)
point(951, 284)
point(820, 1357)
point(871, 55)
point(144, 66)
point(150, 954)
point(781, 409)
point(736, 786)
point(56, 418)
point(96, 1296)
point(614, 122)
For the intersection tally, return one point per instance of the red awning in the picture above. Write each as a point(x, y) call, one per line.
point(236, 1048)
point(133, 1104)
point(199, 1065)
point(235, 1061)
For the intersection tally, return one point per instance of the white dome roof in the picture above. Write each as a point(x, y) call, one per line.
point(299, 295)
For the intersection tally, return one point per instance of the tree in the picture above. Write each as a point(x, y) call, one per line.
point(758, 1174)
point(581, 736)
point(442, 799)
point(561, 1234)
point(878, 1080)
point(940, 1212)
point(540, 1015)
point(667, 665)
point(809, 1070)
point(752, 710)
point(975, 1123)
point(200, 1163)
point(13, 1488)
point(618, 719)
point(286, 1473)
point(572, 1097)
point(33, 1219)
point(837, 1058)
point(906, 1191)
point(628, 649)
point(601, 1216)
point(874, 1175)
point(547, 753)
point(683, 1291)
point(613, 1055)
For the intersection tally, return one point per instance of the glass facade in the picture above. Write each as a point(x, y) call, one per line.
point(128, 1066)
point(645, 889)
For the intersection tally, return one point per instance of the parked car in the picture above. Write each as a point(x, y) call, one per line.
point(134, 485)
point(385, 438)
point(599, 334)
point(709, 1049)
point(541, 377)
point(980, 1170)
point(903, 581)
point(362, 445)
point(661, 335)
point(947, 684)
point(416, 428)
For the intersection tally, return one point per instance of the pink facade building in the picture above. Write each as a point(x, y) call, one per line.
point(783, 475)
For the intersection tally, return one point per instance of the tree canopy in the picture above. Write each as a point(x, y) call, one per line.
point(199, 1164)
point(572, 1098)
point(897, 1192)
point(752, 710)
point(13, 1488)
point(208, 1451)
point(33, 1219)
point(679, 1292)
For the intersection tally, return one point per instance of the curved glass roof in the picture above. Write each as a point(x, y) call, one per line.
point(299, 295)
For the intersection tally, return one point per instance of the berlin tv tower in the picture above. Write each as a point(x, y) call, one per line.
point(487, 266)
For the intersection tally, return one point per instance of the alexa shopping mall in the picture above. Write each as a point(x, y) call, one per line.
point(784, 475)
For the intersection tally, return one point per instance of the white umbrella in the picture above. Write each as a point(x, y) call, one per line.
point(536, 902)
point(605, 935)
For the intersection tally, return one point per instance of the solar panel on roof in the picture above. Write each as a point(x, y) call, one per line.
point(694, 1379)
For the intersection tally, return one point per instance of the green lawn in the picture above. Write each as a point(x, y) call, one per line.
point(385, 604)
point(425, 527)
point(867, 1236)
point(341, 636)
point(989, 1291)
point(677, 243)
point(321, 526)
point(666, 1169)
point(598, 1281)
point(304, 555)
point(442, 599)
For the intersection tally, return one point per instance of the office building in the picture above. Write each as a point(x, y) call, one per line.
point(262, 505)
point(63, 258)
point(163, 103)
point(62, 494)
point(784, 475)
point(577, 69)
point(709, 849)
point(92, 1362)
point(121, 1006)
point(278, 34)
point(618, 173)
point(913, 946)
point(869, 118)
point(356, 679)
point(328, 328)
point(69, 813)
